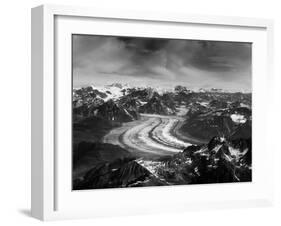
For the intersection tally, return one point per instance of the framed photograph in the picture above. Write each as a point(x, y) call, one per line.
point(138, 112)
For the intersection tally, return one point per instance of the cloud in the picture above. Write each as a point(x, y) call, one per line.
point(162, 61)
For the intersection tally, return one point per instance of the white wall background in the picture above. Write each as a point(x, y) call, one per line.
point(15, 112)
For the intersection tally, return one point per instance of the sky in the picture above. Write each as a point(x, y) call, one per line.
point(162, 63)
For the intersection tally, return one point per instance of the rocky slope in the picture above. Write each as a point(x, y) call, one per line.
point(218, 161)
point(221, 120)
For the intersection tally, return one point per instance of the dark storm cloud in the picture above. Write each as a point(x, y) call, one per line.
point(221, 56)
point(162, 61)
point(144, 45)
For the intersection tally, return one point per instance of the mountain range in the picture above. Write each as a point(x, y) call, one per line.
point(220, 121)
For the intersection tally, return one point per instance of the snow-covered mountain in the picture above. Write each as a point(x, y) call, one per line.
point(180, 101)
point(217, 123)
point(113, 91)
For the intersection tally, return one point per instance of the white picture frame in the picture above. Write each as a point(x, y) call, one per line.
point(47, 89)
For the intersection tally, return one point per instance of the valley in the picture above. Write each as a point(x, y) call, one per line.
point(139, 136)
point(150, 136)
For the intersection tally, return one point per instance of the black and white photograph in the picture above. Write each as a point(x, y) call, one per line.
point(159, 112)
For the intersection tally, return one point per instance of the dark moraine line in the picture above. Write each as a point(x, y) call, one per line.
point(135, 150)
point(159, 139)
point(151, 135)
